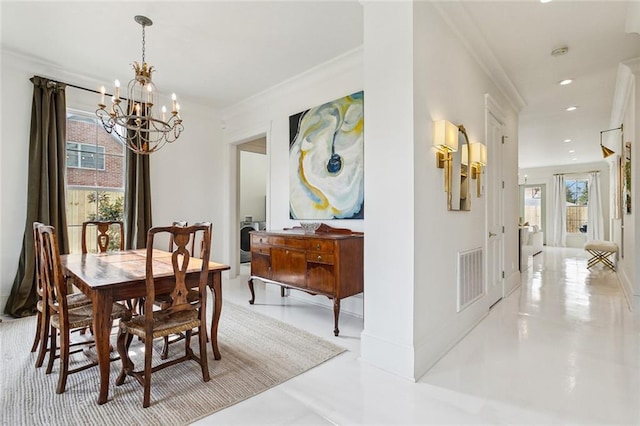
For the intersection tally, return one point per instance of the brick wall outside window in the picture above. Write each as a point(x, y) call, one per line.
point(113, 174)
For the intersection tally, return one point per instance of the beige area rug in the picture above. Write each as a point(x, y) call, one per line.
point(257, 353)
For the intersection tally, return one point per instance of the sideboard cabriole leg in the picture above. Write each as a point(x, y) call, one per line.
point(253, 294)
point(336, 314)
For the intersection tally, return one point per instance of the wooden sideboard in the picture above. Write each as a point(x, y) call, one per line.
point(328, 262)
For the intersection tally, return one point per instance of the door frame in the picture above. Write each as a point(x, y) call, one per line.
point(543, 205)
point(232, 235)
point(494, 112)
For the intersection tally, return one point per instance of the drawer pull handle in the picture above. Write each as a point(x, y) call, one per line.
point(319, 257)
point(318, 246)
point(260, 239)
point(287, 251)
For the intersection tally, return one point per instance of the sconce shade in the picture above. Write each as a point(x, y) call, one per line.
point(445, 136)
point(478, 153)
point(606, 152)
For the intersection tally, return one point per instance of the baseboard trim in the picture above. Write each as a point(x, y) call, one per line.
point(392, 357)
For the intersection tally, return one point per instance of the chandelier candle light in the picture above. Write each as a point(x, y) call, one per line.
point(136, 122)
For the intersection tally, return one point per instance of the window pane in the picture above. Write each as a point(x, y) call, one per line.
point(95, 177)
point(72, 155)
point(577, 198)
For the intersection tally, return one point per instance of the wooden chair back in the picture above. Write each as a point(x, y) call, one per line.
point(37, 249)
point(181, 258)
point(181, 223)
point(53, 280)
point(103, 238)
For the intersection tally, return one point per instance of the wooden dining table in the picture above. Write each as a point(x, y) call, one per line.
point(120, 275)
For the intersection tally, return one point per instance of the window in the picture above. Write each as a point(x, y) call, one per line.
point(577, 198)
point(95, 175)
point(85, 156)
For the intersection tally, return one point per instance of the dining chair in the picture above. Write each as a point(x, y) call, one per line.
point(63, 318)
point(42, 319)
point(103, 242)
point(164, 300)
point(180, 316)
point(103, 239)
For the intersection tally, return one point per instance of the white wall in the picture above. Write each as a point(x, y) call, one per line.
point(544, 176)
point(627, 228)
point(268, 113)
point(387, 339)
point(411, 240)
point(181, 181)
point(451, 85)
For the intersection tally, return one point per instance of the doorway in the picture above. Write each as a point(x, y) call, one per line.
point(252, 192)
point(532, 206)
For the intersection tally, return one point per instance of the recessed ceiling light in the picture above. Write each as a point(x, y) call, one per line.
point(567, 140)
point(572, 108)
point(574, 159)
point(559, 51)
point(565, 82)
point(571, 151)
point(545, 1)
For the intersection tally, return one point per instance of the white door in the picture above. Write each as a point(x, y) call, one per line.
point(494, 194)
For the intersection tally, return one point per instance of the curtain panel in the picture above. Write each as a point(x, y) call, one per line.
point(558, 235)
point(46, 200)
point(595, 221)
point(137, 209)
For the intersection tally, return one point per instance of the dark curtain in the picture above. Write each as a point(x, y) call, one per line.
point(137, 200)
point(46, 187)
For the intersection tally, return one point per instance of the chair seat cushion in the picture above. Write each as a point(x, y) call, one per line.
point(607, 246)
point(164, 323)
point(82, 316)
point(77, 299)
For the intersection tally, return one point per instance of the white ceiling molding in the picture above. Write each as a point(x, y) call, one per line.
point(460, 22)
point(633, 18)
point(624, 83)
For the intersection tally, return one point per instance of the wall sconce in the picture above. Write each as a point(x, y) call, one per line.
point(445, 140)
point(478, 154)
point(606, 152)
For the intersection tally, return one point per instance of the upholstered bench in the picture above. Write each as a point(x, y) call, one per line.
point(600, 252)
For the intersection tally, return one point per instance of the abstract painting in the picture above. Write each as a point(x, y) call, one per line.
point(326, 160)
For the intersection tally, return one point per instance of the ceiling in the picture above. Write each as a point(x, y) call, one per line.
point(221, 52)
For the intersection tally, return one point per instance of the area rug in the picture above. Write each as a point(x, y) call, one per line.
point(258, 352)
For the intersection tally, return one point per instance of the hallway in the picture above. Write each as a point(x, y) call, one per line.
point(563, 348)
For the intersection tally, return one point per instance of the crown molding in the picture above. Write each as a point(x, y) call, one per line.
point(460, 22)
point(627, 71)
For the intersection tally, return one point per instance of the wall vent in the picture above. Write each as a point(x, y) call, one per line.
point(470, 277)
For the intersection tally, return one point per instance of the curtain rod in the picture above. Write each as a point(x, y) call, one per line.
point(77, 87)
point(577, 173)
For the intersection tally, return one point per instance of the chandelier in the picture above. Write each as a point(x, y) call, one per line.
point(136, 119)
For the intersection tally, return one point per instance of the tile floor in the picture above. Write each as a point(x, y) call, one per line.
point(562, 349)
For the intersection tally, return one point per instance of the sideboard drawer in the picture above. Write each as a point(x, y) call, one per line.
point(293, 243)
point(320, 258)
point(320, 245)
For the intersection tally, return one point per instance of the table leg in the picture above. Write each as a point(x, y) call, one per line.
point(253, 294)
point(336, 314)
point(102, 307)
point(217, 307)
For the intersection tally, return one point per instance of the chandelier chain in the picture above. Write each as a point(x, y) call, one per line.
point(143, 43)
